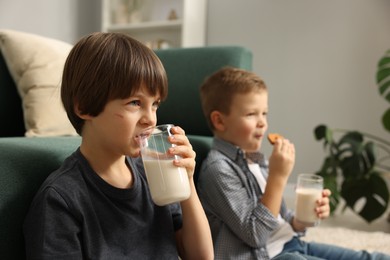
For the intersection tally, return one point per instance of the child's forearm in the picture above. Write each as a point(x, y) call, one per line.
point(273, 194)
point(196, 235)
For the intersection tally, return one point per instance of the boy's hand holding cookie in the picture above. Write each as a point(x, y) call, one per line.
point(282, 158)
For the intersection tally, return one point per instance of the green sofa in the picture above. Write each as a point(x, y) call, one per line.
point(26, 161)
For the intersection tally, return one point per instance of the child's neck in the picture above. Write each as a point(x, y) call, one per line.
point(122, 179)
point(114, 170)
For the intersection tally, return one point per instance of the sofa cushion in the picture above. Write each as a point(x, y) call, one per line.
point(35, 64)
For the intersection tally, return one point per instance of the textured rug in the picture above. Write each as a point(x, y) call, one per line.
point(354, 239)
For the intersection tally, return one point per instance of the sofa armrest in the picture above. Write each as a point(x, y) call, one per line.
point(24, 165)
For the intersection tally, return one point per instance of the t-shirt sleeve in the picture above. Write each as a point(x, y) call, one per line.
point(176, 216)
point(50, 230)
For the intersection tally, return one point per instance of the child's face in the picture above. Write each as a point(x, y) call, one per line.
point(116, 129)
point(246, 124)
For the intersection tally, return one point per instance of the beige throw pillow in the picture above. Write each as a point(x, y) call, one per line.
point(36, 65)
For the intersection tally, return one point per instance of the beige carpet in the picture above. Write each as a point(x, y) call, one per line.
point(354, 239)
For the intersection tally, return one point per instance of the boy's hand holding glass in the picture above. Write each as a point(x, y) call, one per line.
point(312, 202)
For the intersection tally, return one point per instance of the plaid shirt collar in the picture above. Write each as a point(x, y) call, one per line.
point(235, 153)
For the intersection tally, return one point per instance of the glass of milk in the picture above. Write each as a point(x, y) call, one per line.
point(167, 182)
point(308, 191)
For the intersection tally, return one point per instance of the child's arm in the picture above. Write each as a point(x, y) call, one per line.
point(194, 238)
point(281, 164)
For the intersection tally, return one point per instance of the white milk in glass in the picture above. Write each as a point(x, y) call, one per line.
point(167, 182)
point(308, 191)
point(305, 205)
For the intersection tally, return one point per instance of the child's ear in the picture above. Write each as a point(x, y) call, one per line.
point(216, 118)
point(79, 114)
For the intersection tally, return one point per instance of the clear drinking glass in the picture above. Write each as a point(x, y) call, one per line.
point(308, 191)
point(167, 182)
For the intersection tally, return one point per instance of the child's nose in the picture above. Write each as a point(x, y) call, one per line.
point(149, 117)
point(262, 122)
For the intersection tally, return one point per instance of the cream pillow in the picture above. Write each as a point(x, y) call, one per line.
point(36, 65)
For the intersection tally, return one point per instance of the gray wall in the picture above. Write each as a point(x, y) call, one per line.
point(318, 58)
point(65, 20)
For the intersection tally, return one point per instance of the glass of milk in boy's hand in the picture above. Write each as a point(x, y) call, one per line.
point(167, 182)
point(308, 191)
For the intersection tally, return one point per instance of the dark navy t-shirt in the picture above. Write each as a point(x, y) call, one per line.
point(77, 215)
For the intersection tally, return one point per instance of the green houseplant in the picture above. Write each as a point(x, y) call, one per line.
point(383, 81)
point(352, 170)
point(356, 162)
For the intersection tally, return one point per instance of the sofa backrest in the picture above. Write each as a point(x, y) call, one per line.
point(11, 113)
point(186, 69)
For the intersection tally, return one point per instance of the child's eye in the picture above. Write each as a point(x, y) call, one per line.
point(157, 104)
point(135, 103)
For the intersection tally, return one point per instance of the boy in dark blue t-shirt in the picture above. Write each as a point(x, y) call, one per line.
point(98, 205)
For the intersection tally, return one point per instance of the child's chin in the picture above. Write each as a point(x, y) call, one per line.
point(134, 153)
point(257, 146)
point(253, 149)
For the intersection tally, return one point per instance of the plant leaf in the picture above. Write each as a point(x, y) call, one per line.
point(323, 132)
point(369, 155)
point(385, 59)
point(351, 167)
point(373, 189)
point(383, 86)
point(350, 147)
point(320, 132)
point(329, 167)
point(382, 74)
point(386, 120)
point(353, 137)
point(369, 148)
point(388, 95)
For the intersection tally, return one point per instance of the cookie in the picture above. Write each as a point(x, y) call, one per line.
point(273, 136)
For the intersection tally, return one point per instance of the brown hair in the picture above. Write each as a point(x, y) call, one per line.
point(105, 66)
point(218, 90)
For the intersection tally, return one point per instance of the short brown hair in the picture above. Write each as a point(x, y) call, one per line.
point(218, 90)
point(105, 66)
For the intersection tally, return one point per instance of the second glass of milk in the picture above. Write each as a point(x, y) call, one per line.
point(308, 191)
point(167, 182)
